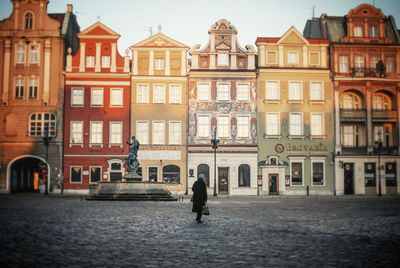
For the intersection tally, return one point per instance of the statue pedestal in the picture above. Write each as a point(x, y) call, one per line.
point(132, 177)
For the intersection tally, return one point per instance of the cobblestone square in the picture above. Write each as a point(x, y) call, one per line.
point(66, 231)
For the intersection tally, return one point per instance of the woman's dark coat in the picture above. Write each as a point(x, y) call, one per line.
point(199, 195)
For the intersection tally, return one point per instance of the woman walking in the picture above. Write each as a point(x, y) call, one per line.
point(199, 196)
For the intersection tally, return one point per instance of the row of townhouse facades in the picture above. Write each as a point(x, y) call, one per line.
point(313, 113)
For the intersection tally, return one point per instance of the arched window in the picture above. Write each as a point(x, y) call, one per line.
point(28, 20)
point(115, 169)
point(382, 102)
point(42, 123)
point(204, 169)
point(351, 101)
point(244, 175)
point(171, 174)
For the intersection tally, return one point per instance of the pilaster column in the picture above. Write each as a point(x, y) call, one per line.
point(251, 62)
point(82, 58)
point(195, 61)
point(151, 63)
point(305, 56)
point(46, 79)
point(212, 43)
point(233, 61)
point(338, 147)
point(167, 67)
point(262, 56)
point(323, 57)
point(126, 61)
point(97, 66)
point(233, 43)
point(281, 56)
point(16, 12)
point(212, 61)
point(370, 145)
point(135, 62)
point(6, 72)
point(183, 63)
point(113, 57)
point(398, 117)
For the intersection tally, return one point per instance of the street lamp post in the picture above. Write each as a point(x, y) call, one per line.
point(214, 143)
point(46, 141)
point(379, 161)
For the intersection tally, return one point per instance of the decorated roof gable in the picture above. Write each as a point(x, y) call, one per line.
point(159, 40)
point(98, 30)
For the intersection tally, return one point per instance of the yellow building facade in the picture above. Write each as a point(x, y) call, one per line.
point(158, 109)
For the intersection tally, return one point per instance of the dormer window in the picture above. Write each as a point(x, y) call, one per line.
point(28, 21)
point(358, 32)
point(373, 31)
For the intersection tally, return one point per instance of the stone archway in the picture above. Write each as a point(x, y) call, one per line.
point(21, 170)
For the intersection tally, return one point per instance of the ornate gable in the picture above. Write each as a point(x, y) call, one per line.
point(98, 30)
point(159, 40)
point(293, 36)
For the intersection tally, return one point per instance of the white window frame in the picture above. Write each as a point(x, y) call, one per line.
point(240, 93)
point(312, 130)
point(146, 132)
point(373, 61)
point(276, 57)
point(153, 132)
point(33, 82)
point(115, 161)
point(278, 125)
point(343, 64)
point(71, 135)
point(208, 132)
point(75, 89)
point(359, 63)
point(222, 59)
point(290, 55)
point(277, 89)
point(373, 31)
point(37, 127)
point(90, 60)
point(19, 89)
point(34, 54)
point(142, 93)
point(347, 137)
point(174, 135)
point(204, 93)
point(70, 174)
point(318, 160)
point(159, 93)
point(175, 94)
point(20, 53)
point(301, 126)
point(159, 64)
point(105, 61)
point(221, 131)
point(110, 136)
point(247, 135)
point(91, 134)
point(113, 97)
point(297, 160)
point(290, 91)
point(311, 90)
point(318, 57)
point(358, 31)
point(220, 96)
point(92, 97)
point(148, 172)
point(90, 174)
point(389, 63)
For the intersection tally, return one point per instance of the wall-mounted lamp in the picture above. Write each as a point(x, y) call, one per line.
point(341, 164)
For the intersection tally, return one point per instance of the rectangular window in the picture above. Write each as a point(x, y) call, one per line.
point(153, 174)
point(203, 126)
point(116, 97)
point(359, 63)
point(158, 132)
point(373, 62)
point(271, 57)
point(223, 92)
point(116, 133)
point(95, 174)
point(348, 136)
point(296, 124)
point(77, 96)
point(292, 58)
point(203, 92)
point(223, 126)
point(142, 95)
point(317, 124)
point(175, 93)
point(159, 64)
point(390, 65)
point(378, 130)
point(272, 124)
point(20, 57)
point(76, 174)
point(373, 31)
point(295, 91)
point(390, 171)
point(105, 61)
point(369, 170)
point(314, 58)
point(317, 173)
point(142, 132)
point(175, 132)
point(223, 59)
point(297, 173)
point(316, 93)
point(96, 97)
point(272, 90)
point(76, 132)
point(243, 125)
point(19, 88)
point(243, 92)
point(358, 31)
point(96, 132)
point(33, 88)
point(42, 123)
point(158, 93)
point(343, 64)
point(34, 54)
point(90, 61)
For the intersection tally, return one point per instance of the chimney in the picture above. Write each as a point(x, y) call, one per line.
point(69, 8)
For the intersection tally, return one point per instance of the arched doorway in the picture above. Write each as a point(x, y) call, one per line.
point(22, 172)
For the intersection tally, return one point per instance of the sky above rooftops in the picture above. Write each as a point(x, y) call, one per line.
point(188, 21)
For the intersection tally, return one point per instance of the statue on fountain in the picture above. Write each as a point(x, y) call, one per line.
point(132, 164)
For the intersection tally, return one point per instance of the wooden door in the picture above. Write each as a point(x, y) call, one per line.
point(273, 183)
point(223, 178)
point(348, 178)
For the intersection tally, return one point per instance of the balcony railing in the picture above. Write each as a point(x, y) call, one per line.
point(353, 115)
point(367, 72)
point(350, 150)
point(392, 150)
point(384, 115)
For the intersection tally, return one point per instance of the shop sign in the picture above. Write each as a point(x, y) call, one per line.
point(306, 148)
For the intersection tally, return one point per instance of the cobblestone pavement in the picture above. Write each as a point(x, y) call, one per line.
point(60, 231)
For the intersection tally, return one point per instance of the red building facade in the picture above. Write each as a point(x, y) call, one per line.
point(96, 120)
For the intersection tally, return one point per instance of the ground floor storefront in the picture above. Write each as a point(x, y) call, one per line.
point(367, 175)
